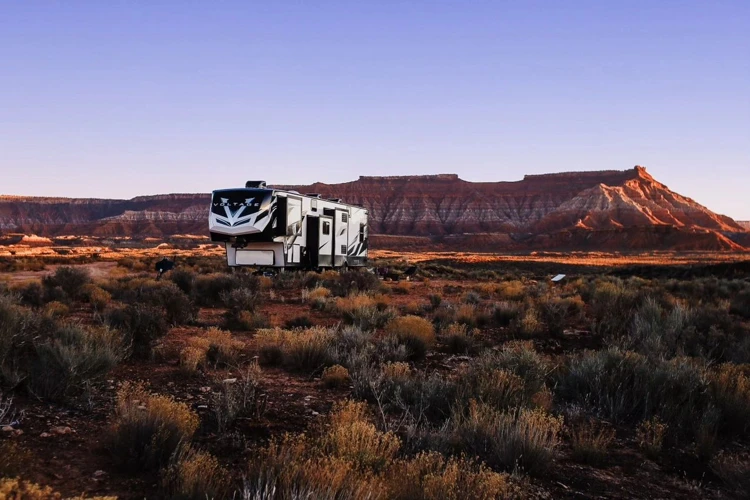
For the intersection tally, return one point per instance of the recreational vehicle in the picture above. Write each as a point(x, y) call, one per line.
point(266, 227)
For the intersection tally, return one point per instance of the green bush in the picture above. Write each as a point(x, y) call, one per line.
point(72, 356)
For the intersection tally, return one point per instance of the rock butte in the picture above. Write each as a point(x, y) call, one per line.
point(602, 210)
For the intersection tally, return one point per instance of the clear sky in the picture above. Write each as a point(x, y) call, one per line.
point(121, 98)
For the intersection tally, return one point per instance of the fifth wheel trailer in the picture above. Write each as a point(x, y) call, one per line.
point(266, 227)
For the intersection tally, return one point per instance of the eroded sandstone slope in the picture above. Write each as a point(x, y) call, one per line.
point(599, 210)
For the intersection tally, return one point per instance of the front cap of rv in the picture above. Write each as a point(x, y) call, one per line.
point(240, 211)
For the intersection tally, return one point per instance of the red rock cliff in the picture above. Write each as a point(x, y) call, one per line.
point(618, 209)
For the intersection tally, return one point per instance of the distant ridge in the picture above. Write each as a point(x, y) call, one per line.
point(600, 210)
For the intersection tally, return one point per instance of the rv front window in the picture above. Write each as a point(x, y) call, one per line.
point(361, 233)
point(326, 228)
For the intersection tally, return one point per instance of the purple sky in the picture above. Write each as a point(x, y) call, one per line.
point(122, 98)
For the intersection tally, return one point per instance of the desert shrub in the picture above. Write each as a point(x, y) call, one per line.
point(628, 387)
point(348, 341)
point(557, 313)
point(650, 436)
point(13, 459)
point(353, 282)
point(17, 489)
point(416, 333)
point(656, 332)
point(246, 321)
point(435, 300)
point(335, 376)
point(397, 370)
point(734, 471)
point(192, 358)
point(238, 397)
point(612, 305)
point(141, 325)
point(421, 397)
point(193, 475)
point(177, 306)
point(457, 339)
point(72, 356)
point(318, 297)
point(184, 279)
point(466, 314)
point(303, 321)
point(522, 439)
point(505, 313)
point(730, 386)
point(306, 350)
point(443, 316)
point(55, 310)
point(70, 279)
point(511, 377)
point(96, 296)
point(354, 438)
point(149, 428)
point(222, 348)
point(511, 290)
point(528, 324)
point(389, 349)
point(590, 441)
point(293, 467)
point(209, 288)
point(401, 288)
point(431, 476)
point(471, 297)
point(241, 299)
point(31, 293)
point(362, 311)
point(19, 330)
point(740, 304)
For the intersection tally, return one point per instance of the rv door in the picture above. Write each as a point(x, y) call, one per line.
point(325, 243)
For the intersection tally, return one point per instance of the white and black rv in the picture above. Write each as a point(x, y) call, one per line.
point(266, 227)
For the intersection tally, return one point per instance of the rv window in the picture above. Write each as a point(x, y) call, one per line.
point(314, 204)
point(344, 217)
point(361, 233)
point(326, 228)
